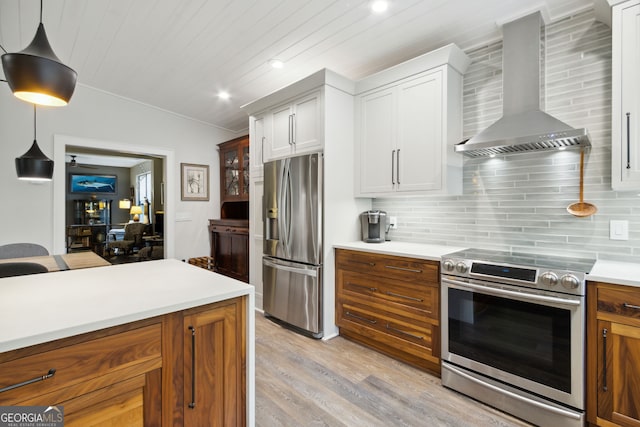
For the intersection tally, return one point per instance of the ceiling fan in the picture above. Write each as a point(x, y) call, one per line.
point(74, 164)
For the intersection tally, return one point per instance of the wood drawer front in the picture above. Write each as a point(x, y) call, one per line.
point(404, 336)
point(400, 268)
point(228, 229)
point(624, 301)
point(412, 294)
point(77, 363)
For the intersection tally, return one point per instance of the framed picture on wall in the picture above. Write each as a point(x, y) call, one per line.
point(87, 183)
point(195, 182)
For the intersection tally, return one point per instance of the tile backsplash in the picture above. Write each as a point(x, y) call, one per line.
point(519, 202)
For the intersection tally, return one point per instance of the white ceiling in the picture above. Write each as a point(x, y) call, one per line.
point(177, 55)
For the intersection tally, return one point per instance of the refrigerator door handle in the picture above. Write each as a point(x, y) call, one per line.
point(312, 272)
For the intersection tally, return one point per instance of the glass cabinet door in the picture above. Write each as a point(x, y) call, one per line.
point(231, 173)
point(234, 170)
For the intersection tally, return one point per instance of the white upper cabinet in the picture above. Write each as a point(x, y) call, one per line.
point(625, 111)
point(407, 120)
point(297, 127)
point(292, 120)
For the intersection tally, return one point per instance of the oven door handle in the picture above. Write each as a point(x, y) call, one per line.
point(519, 295)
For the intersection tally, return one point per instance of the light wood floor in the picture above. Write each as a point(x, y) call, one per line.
point(305, 382)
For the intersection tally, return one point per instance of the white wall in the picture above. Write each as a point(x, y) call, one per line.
point(110, 122)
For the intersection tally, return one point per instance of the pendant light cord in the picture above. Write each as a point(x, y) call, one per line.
point(41, 11)
point(34, 122)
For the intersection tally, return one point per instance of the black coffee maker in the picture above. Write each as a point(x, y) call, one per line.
point(374, 226)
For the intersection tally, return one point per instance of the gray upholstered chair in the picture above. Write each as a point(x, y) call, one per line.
point(8, 269)
point(132, 238)
point(22, 250)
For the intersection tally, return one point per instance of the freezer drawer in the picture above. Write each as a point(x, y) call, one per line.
point(293, 294)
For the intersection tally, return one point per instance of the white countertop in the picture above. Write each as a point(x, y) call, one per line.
point(619, 273)
point(45, 307)
point(407, 249)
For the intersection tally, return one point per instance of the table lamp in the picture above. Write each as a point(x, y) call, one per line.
point(136, 211)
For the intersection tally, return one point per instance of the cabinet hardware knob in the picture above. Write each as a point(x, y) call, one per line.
point(48, 375)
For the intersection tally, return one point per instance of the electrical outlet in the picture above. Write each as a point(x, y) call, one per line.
point(393, 222)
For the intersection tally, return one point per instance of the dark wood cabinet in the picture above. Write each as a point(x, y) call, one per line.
point(234, 170)
point(391, 304)
point(613, 355)
point(230, 247)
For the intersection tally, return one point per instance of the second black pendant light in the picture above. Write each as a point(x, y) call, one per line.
point(34, 165)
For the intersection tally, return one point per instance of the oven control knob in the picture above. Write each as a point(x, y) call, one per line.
point(549, 279)
point(569, 281)
point(461, 267)
point(448, 265)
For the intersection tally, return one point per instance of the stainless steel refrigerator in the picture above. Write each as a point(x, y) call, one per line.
point(292, 250)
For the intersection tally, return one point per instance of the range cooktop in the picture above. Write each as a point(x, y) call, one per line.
point(522, 259)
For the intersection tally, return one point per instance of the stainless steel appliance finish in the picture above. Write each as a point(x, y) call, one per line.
point(513, 332)
point(292, 250)
point(523, 126)
point(374, 226)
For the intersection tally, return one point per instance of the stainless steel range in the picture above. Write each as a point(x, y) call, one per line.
point(513, 332)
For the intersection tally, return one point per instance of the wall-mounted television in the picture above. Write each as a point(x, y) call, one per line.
point(88, 183)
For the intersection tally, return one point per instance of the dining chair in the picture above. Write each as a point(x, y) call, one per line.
point(22, 250)
point(8, 269)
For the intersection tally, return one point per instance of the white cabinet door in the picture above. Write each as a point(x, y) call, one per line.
point(281, 144)
point(258, 136)
point(297, 127)
point(376, 137)
point(307, 124)
point(625, 127)
point(419, 145)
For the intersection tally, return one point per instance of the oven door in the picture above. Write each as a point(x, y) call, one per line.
point(530, 339)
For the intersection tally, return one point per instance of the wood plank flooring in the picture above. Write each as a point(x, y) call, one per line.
point(305, 382)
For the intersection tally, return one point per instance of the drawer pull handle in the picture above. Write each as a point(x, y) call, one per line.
point(635, 307)
point(48, 375)
point(411, 270)
point(604, 359)
point(628, 140)
point(391, 328)
point(404, 296)
point(370, 264)
point(348, 313)
point(363, 286)
point(192, 404)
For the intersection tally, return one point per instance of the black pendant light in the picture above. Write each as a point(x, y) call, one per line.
point(36, 74)
point(34, 165)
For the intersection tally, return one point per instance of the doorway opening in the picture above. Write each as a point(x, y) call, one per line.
point(89, 154)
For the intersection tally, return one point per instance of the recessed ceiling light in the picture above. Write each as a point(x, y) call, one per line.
point(379, 6)
point(276, 63)
point(223, 95)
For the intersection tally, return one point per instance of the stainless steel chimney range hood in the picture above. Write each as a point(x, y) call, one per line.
point(523, 126)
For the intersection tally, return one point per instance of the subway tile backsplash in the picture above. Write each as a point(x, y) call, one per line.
point(519, 202)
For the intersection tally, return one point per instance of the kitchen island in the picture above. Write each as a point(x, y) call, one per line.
point(137, 336)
